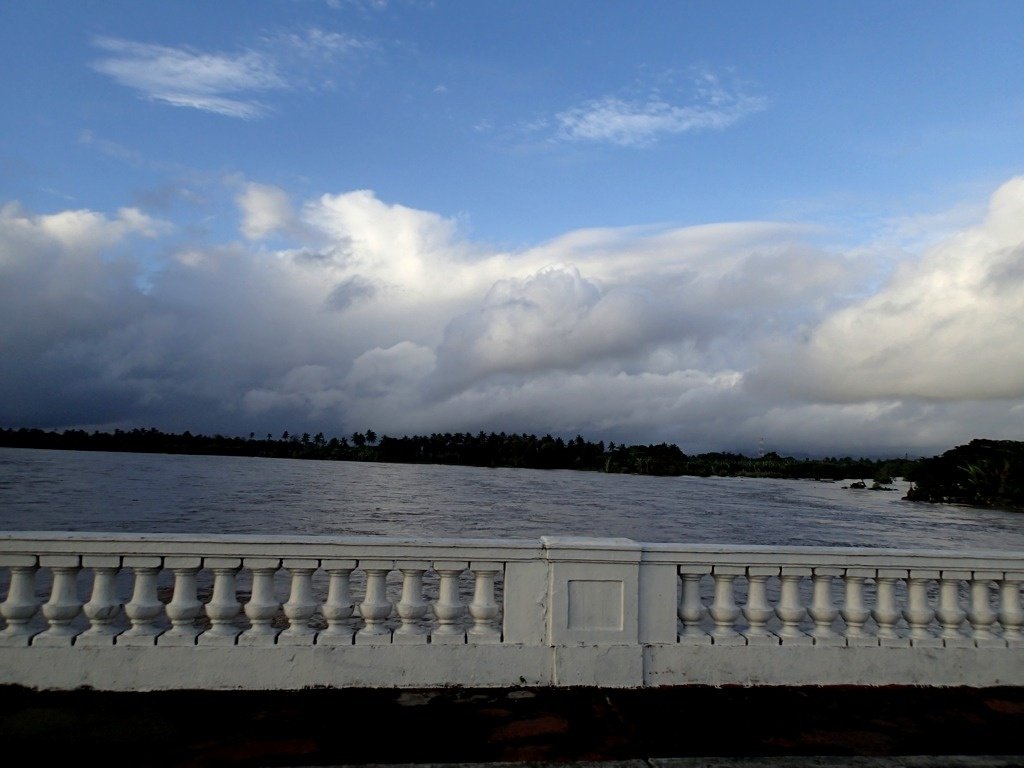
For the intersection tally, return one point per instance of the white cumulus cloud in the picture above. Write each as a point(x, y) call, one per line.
point(265, 210)
point(381, 315)
point(949, 325)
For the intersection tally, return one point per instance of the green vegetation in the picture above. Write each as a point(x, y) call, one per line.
point(983, 473)
point(480, 450)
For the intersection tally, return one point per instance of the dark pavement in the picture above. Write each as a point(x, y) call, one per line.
point(695, 725)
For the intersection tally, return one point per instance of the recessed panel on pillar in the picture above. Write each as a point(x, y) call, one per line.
point(595, 604)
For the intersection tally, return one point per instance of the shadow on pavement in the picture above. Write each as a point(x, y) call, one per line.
point(381, 727)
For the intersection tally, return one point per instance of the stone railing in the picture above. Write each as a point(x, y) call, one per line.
point(147, 612)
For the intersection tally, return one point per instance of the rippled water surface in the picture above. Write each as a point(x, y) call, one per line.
point(93, 491)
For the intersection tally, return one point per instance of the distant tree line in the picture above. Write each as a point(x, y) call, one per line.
point(466, 449)
point(983, 473)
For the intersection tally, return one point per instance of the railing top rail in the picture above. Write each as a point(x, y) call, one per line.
point(249, 545)
point(811, 556)
point(496, 549)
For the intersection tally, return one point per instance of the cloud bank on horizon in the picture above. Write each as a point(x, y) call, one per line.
point(386, 316)
point(340, 216)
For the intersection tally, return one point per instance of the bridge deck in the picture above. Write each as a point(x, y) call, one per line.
point(366, 727)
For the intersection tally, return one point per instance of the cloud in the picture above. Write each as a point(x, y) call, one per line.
point(67, 292)
point(187, 77)
point(382, 315)
point(316, 45)
point(265, 210)
point(947, 326)
point(553, 319)
point(81, 232)
point(349, 291)
point(306, 387)
point(383, 373)
point(226, 83)
point(639, 122)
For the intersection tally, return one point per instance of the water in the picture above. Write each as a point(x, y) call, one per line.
point(122, 492)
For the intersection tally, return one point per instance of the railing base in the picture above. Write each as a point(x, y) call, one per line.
point(155, 668)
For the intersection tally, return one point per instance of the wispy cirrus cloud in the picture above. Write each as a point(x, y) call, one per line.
point(640, 121)
point(225, 83)
point(185, 77)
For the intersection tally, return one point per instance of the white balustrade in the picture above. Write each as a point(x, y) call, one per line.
point(224, 607)
point(375, 608)
point(886, 613)
point(64, 604)
point(854, 610)
point(263, 604)
point(301, 605)
point(951, 616)
point(980, 613)
point(412, 607)
point(919, 613)
point(823, 611)
point(449, 608)
point(104, 605)
point(339, 607)
point(568, 613)
point(757, 610)
point(484, 609)
point(145, 607)
point(791, 610)
point(184, 608)
point(21, 605)
point(1011, 615)
point(723, 610)
point(691, 608)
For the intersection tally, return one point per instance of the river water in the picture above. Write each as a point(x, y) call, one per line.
point(42, 490)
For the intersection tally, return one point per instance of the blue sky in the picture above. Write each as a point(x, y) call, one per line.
point(724, 225)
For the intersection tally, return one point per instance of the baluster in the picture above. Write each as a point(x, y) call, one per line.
point(104, 605)
point(949, 612)
point(980, 614)
point(691, 610)
point(919, 613)
point(855, 612)
point(21, 603)
point(449, 608)
point(263, 604)
point(886, 613)
point(484, 609)
point(184, 607)
point(412, 607)
point(339, 605)
point(823, 611)
point(375, 608)
point(301, 604)
point(723, 610)
point(758, 610)
point(223, 608)
point(145, 606)
point(64, 604)
point(790, 609)
point(1010, 614)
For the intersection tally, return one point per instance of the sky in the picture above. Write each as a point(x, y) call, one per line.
point(738, 226)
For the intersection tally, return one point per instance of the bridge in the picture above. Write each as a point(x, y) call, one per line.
point(160, 612)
